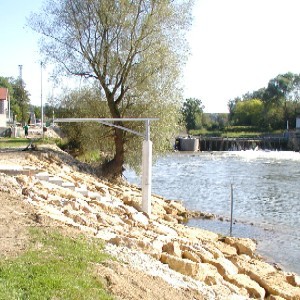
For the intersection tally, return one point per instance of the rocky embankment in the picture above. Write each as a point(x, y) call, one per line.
point(186, 258)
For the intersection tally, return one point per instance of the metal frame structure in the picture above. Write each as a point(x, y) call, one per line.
point(146, 155)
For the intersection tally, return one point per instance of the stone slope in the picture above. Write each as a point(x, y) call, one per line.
point(160, 245)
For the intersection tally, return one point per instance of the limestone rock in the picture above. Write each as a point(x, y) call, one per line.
point(225, 267)
point(132, 243)
point(199, 234)
point(164, 230)
point(170, 210)
point(226, 293)
point(177, 206)
point(157, 245)
point(123, 241)
point(293, 279)
point(191, 256)
point(274, 282)
point(170, 218)
point(242, 292)
point(226, 249)
point(244, 281)
point(80, 219)
point(213, 250)
point(243, 245)
point(273, 297)
point(105, 234)
point(140, 219)
point(180, 265)
point(251, 267)
point(132, 201)
point(208, 274)
point(92, 217)
point(172, 248)
point(205, 255)
point(72, 203)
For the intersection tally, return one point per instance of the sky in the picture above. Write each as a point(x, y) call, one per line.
point(236, 46)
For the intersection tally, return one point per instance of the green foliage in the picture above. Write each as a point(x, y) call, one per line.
point(95, 142)
point(215, 121)
point(248, 112)
point(13, 142)
point(280, 87)
point(192, 111)
point(241, 129)
point(37, 111)
point(56, 267)
point(132, 50)
point(279, 104)
point(23, 142)
point(205, 132)
point(231, 132)
point(19, 98)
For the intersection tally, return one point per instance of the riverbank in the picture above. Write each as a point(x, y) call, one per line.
point(188, 263)
point(265, 194)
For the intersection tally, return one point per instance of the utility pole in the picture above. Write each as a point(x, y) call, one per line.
point(42, 110)
point(21, 92)
point(20, 74)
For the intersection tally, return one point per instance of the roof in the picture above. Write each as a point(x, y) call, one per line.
point(3, 93)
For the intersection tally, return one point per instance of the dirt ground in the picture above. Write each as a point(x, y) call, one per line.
point(124, 282)
point(15, 218)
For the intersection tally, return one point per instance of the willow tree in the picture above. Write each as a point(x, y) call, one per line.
point(133, 49)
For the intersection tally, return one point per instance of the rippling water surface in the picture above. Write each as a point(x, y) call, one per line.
point(266, 193)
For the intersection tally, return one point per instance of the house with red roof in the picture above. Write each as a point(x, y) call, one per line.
point(3, 106)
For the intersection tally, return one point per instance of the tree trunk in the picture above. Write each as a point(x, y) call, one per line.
point(113, 169)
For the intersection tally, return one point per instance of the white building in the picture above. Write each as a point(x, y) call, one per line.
point(3, 107)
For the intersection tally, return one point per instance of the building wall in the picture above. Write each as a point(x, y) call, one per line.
point(2, 120)
point(3, 113)
point(2, 107)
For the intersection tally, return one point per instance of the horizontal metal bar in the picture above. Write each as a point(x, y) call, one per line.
point(123, 128)
point(108, 122)
point(103, 119)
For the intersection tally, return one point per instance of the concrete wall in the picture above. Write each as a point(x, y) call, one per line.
point(2, 120)
point(188, 144)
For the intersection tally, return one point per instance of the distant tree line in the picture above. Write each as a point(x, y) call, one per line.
point(194, 118)
point(271, 108)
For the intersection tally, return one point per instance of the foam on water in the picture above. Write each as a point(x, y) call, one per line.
point(260, 154)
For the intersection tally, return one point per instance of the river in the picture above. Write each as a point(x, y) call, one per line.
point(266, 196)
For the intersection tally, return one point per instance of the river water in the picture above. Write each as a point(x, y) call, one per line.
point(266, 196)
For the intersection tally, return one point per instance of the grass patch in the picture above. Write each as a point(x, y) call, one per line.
point(23, 142)
point(13, 142)
point(231, 133)
point(242, 134)
point(55, 267)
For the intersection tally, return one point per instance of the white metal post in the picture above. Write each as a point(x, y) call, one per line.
point(146, 155)
point(42, 109)
point(147, 171)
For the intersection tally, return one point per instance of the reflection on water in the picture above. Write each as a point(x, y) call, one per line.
point(266, 193)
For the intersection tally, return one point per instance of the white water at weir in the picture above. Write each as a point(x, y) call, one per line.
point(266, 193)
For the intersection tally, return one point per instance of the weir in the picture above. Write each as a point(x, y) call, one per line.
point(231, 144)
